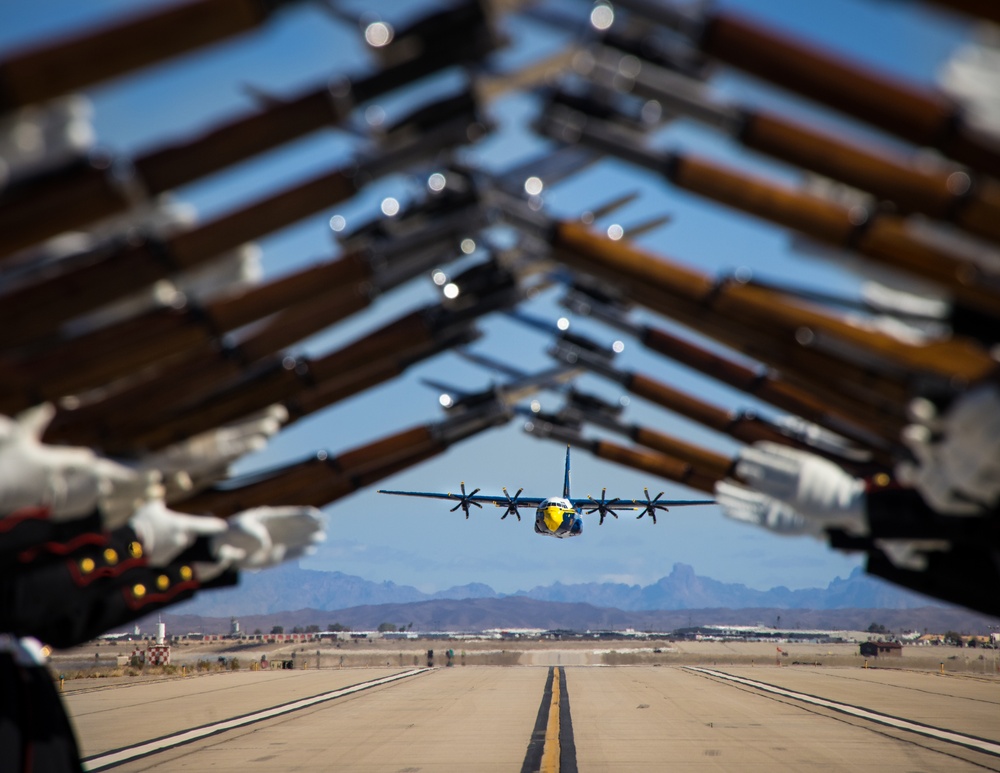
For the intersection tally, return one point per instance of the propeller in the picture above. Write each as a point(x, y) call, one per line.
point(603, 507)
point(651, 506)
point(465, 500)
point(511, 503)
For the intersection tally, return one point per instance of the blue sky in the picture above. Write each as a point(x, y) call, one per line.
point(419, 542)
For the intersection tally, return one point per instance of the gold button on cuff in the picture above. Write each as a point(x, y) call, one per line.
point(135, 549)
point(186, 573)
point(162, 582)
point(139, 590)
point(111, 556)
point(87, 565)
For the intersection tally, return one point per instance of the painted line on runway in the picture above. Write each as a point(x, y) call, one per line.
point(567, 745)
point(126, 754)
point(550, 753)
point(536, 744)
point(949, 736)
point(552, 748)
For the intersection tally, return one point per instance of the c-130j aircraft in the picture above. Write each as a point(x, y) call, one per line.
point(556, 516)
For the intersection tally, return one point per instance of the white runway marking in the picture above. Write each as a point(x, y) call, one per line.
point(971, 742)
point(117, 757)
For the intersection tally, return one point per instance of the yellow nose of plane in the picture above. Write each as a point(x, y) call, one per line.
point(553, 517)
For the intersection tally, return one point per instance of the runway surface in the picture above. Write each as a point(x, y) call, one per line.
point(550, 718)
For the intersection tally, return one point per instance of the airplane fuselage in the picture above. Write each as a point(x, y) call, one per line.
point(556, 517)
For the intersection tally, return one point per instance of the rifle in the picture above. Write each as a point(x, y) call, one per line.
point(859, 371)
point(138, 261)
point(84, 192)
point(663, 466)
point(49, 70)
point(322, 479)
point(880, 236)
point(923, 117)
point(581, 407)
point(382, 254)
point(306, 385)
point(305, 302)
point(763, 383)
point(745, 426)
point(941, 191)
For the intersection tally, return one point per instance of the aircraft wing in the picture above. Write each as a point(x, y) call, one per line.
point(499, 501)
point(635, 504)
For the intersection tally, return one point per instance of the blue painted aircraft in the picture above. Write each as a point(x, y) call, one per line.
point(556, 516)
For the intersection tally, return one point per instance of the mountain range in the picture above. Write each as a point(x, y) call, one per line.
point(290, 587)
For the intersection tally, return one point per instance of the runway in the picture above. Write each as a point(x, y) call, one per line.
point(551, 718)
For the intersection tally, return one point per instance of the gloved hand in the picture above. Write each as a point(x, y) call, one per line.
point(165, 534)
point(204, 458)
point(262, 537)
point(70, 481)
point(815, 488)
point(270, 535)
point(743, 504)
point(957, 468)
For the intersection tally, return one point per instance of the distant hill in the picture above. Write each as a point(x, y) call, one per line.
point(520, 612)
point(289, 587)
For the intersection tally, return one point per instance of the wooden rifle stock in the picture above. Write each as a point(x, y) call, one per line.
point(321, 479)
point(869, 386)
point(657, 464)
point(769, 387)
point(860, 394)
point(85, 193)
point(47, 305)
point(704, 460)
point(941, 192)
point(203, 371)
point(357, 366)
point(745, 427)
point(173, 335)
point(745, 305)
point(75, 62)
point(882, 237)
point(923, 117)
point(854, 393)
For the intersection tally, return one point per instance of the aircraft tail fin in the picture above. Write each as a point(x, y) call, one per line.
point(566, 478)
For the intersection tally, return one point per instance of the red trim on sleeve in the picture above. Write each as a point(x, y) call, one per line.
point(16, 518)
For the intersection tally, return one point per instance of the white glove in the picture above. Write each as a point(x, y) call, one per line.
point(70, 481)
point(204, 458)
point(262, 537)
point(270, 535)
point(749, 506)
point(165, 534)
point(958, 452)
point(815, 488)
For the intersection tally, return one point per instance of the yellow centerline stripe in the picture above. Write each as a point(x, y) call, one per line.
point(552, 753)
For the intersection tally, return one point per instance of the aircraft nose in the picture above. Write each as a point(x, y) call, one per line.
point(553, 518)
